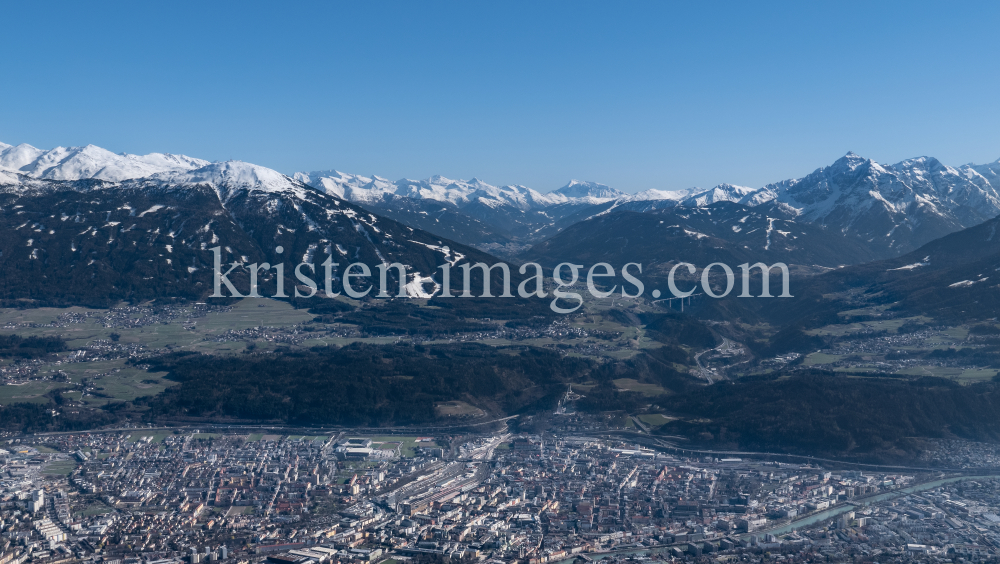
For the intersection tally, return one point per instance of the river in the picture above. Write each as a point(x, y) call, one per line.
point(862, 502)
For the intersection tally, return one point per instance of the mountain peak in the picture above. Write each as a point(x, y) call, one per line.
point(929, 161)
point(851, 156)
point(720, 193)
point(851, 161)
point(653, 194)
point(230, 176)
point(90, 161)
point(584, 189)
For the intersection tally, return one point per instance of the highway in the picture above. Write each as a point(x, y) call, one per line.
point(705, 372)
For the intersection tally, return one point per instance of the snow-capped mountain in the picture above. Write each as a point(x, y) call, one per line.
point(591, 190)
point(373, 189)
point(653, 195)
point(94, 241)
point(990, 171)
point(721, 193)
point(483, 213)
point(77, 163)
point(896, 208)
point(231, 177)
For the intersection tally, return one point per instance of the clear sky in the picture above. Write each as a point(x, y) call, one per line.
point(636, 95)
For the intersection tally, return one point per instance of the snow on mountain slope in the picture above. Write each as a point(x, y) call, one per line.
point(969, 195)
point(351, 187)
point(593, 190)
point(153, 237)
point(896, 208)
point(14, 158)
point(231, 176)
point(362, 189)
point(77, 163)
point(721, 193)
point(990, 171)
point(655, 195)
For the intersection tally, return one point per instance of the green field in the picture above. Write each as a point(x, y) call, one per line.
point(244, 315)
point(60, 467)
point(655, 419)
point(457, 409)
point(31, 392)
point(962, 375)
point(820, 358)
point(115, 380)
point(406, 444)
point(95, 509)
point(648, 390)
point(124, 386)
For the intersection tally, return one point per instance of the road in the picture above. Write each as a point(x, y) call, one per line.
point(638, 423)
point(291, 429)
point(684, 450)
point(485, 452)
point(851, 504)
point(705, 372)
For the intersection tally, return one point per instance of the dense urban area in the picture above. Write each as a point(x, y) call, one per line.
point(181, 495)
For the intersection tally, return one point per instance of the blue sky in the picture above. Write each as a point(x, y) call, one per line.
point(632, 94)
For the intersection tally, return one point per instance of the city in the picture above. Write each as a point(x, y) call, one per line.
point(182, 495)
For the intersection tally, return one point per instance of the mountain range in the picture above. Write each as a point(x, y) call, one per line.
point(95, 241)
point(895, 208)
point(722, 231)
point(871, 210)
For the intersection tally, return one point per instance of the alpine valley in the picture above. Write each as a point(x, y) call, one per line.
point(107, 263)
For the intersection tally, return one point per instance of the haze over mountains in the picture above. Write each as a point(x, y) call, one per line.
point(889, 209)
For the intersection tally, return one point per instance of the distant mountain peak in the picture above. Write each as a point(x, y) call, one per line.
point(90, 161)
point(584, 189)
point(720, 193)
point(923, 162)
point(850, 161)
point(654, 194)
